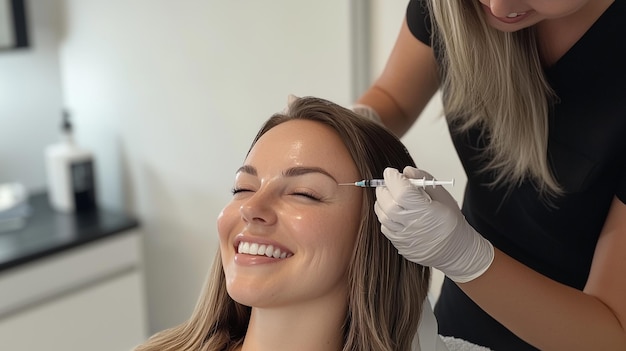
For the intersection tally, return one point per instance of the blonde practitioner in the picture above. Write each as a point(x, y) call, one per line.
point(534, 95)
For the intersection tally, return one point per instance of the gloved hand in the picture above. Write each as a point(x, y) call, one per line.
point(427, 227)
point(290, 100)
point(367, 112)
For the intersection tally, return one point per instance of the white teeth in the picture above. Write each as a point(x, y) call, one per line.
point(261, 250)
point(515, 14)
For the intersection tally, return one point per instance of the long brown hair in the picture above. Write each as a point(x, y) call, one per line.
point(386, 291)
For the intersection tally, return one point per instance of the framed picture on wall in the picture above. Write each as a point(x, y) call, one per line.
point(13, 25)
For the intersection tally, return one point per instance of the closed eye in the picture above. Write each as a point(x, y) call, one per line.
point(304, 194)
point(236, 191)
point(307, 195)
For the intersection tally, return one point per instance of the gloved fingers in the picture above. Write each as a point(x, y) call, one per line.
point(440, 194)
point(367, 112)
point(402, 191)
point(436, 193)
point(403, 240)
point(290, 100)
point(415, 173)
point(387, 222)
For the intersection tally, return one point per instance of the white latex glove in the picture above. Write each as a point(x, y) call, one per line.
point(427, 227)
point(367, 112)
point(290, 100)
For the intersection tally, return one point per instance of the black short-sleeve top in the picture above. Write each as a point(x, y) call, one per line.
point(587, 153)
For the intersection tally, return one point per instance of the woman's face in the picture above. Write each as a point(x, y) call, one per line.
point(288, 234)
point(513, 15)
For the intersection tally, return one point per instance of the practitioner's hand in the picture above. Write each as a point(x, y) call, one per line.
point(427, 227)
point(290, 100)
point(367, 112)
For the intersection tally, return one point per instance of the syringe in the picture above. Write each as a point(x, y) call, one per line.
point(372, 183)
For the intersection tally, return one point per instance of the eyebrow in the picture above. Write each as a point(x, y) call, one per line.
point(290, 172)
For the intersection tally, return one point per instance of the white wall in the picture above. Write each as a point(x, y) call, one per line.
point(169, 95)
point(31, 98)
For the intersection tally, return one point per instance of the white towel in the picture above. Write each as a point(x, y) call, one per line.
point(428, 338)
point(455, 344)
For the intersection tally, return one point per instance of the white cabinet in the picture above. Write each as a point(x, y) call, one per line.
point(87, 298)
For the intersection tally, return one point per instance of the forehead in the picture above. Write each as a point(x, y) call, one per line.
point(303, 143)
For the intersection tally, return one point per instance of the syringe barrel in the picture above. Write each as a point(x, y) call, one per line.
point(370, 183)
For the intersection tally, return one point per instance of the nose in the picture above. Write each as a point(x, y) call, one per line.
point(259, 209)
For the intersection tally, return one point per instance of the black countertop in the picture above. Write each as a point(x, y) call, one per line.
point(48, 232)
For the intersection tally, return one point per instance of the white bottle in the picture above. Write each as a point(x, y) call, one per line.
point(70, 169)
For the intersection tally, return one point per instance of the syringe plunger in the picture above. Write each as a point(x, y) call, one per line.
point(372, 183)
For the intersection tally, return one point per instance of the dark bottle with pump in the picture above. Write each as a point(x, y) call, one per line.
point(70, 170)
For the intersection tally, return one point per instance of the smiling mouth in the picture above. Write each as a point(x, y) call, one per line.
point(511, 18)
point(515, 14)
point(255, 249)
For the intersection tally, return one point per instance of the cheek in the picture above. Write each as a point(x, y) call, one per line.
point(227, 221)
point(344, 225)
point(334, 232)
point(560, 8)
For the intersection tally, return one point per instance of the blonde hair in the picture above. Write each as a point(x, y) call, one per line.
point(494, 80)
point(385, 291)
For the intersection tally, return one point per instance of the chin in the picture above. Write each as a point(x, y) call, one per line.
point(238, 296)
point(246, 295)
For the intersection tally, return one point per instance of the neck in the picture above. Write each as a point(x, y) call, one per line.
point(557, 36)
point(314, 326)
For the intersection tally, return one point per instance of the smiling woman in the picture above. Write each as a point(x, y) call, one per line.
point(302, 263)
point(293, 204)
